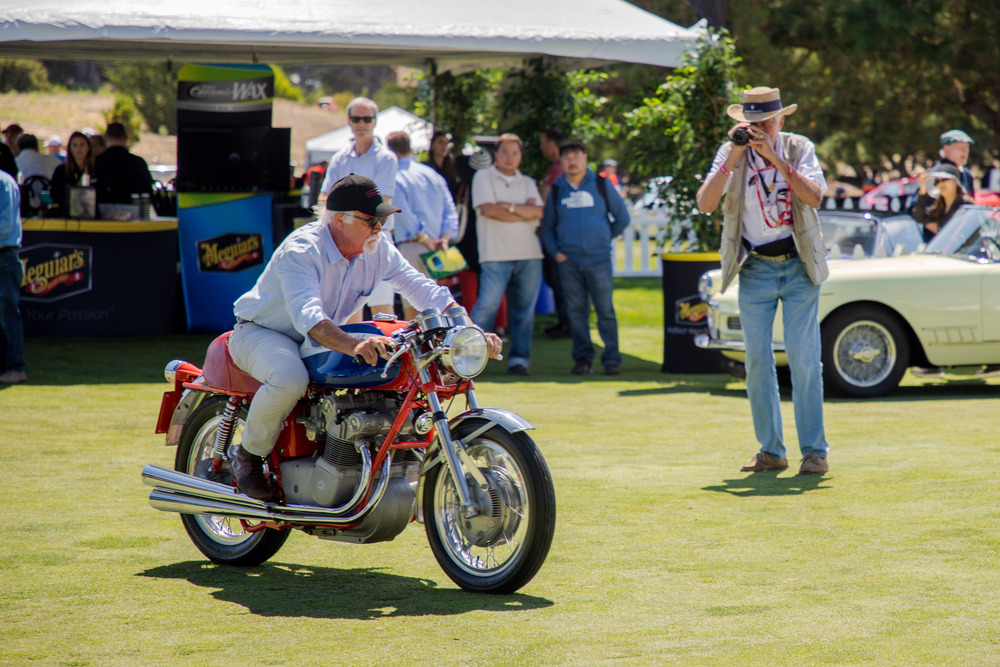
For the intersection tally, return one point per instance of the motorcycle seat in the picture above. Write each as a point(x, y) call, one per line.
point(221, 372)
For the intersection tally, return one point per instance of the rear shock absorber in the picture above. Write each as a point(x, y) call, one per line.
point(224, 434)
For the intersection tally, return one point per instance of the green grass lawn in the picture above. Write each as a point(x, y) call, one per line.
point(664, 552)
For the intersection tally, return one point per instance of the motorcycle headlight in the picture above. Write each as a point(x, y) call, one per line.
point(465, 352)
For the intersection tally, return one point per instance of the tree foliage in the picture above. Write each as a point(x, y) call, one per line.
point(153, 88)
point(876, 82)
point(464, 104)
point(22, 75)
point(676, 130)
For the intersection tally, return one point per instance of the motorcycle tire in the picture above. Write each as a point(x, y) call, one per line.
point(500, 550)
point(222, 540)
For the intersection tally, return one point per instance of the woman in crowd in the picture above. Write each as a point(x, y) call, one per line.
point(934, 213)
point(439, 159)
point(78, 170)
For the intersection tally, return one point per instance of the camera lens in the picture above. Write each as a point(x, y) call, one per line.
point(741, 137)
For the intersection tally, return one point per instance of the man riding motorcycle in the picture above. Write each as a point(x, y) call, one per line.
point(317, 278)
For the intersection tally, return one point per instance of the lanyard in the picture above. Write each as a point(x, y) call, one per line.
point(763, 190)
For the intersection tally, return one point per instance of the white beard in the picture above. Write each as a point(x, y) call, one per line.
point(371, 245)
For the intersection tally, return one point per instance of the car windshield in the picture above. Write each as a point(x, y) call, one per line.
point(844, 234)
point(971, 233)
point(902, 230)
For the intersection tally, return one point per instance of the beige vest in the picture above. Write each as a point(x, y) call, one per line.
point(805, 230)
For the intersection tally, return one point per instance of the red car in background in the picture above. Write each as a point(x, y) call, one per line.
point(899, 194)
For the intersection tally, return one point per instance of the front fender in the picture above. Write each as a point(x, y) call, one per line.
point(491, 417)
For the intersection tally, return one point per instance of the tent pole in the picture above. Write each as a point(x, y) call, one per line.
point(433, 76)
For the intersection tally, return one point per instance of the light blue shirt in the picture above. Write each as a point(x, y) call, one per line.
point(377, 163)
point(427, 207)
point(308, 281)
point(10, 211)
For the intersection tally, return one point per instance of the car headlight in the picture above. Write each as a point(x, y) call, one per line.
point(464, 351)
point(705, 286)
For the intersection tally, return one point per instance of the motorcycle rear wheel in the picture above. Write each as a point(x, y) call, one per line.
point(501, 550)
point(222, 540)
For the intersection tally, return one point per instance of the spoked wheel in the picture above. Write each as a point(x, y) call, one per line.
point(502, 548)
point(865, 352)
point(222, 539)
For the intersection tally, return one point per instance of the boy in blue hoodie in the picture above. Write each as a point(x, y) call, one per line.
point(582, 215)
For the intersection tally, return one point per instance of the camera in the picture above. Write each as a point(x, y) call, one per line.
point(741, 137)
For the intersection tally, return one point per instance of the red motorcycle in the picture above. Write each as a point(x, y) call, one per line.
point(366, 451)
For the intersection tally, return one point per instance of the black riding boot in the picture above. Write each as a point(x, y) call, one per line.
point(248, 473)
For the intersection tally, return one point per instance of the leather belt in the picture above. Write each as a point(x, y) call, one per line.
point(775, 258)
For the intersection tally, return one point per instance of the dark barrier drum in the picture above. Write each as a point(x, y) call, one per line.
point(684, 313)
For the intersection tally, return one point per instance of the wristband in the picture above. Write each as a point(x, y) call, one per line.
point(725, 171)
point(511, 208)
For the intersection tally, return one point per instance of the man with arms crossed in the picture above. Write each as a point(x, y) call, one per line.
point(317, 278)
point(771, 237)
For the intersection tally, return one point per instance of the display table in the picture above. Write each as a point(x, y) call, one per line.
point(95, 278)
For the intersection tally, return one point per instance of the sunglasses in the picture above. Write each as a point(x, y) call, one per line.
point(362, 119)
point(371, 222)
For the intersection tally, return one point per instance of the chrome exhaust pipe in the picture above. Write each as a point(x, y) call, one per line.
point(177, 492)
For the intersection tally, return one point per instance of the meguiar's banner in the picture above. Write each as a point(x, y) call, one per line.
point(224, 95)
point(225, 241)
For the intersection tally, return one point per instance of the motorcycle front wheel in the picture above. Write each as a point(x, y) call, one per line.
point(221, 539)
point(502, 548)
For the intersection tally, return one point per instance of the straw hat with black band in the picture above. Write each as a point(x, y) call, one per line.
point(759, 104)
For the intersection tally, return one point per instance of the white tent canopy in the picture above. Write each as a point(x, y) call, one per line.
point(457, 35)
point(388, 120)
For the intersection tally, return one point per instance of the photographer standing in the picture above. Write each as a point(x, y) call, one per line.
point(771, 236)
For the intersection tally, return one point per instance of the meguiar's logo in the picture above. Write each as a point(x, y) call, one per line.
point(690, 310)
point(54, 271)
point(230, 252)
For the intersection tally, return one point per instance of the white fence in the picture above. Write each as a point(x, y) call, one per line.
point(635, 253)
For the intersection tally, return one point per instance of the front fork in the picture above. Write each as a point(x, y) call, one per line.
point(455, 454)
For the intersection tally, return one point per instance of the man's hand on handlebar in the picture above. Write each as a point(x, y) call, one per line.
point(373, 347)
point(495, 344)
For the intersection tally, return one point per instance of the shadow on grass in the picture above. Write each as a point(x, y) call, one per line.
point(769, 483)
point(276, 589)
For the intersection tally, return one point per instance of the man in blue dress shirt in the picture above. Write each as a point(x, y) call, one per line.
point(428, 219)
point(319, 275)
point(11, 274)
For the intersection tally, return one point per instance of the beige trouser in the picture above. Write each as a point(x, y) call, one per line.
point(272, 358)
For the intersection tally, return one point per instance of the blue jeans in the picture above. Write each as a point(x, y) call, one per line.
point(762, 285)
point(582, 283)
point(521, 281)
point(11, 329)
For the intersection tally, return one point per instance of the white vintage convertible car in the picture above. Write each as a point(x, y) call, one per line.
point(939, 306)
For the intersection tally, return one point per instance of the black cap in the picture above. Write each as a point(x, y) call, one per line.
point(357, 193)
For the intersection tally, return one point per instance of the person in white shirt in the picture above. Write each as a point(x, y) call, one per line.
point(771, 237)
point(366, 156)
point(319, 275)
point(508, 207)
point(31, 162)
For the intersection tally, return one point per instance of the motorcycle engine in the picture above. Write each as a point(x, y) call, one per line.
point(346, 423)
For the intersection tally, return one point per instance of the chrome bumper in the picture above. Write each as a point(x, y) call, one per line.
point(706, 342)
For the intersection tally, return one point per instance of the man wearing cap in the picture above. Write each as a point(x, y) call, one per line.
point(53, 147)
point(771, 237)
point(317, 278)
point(10, 135)
point(955, 151)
